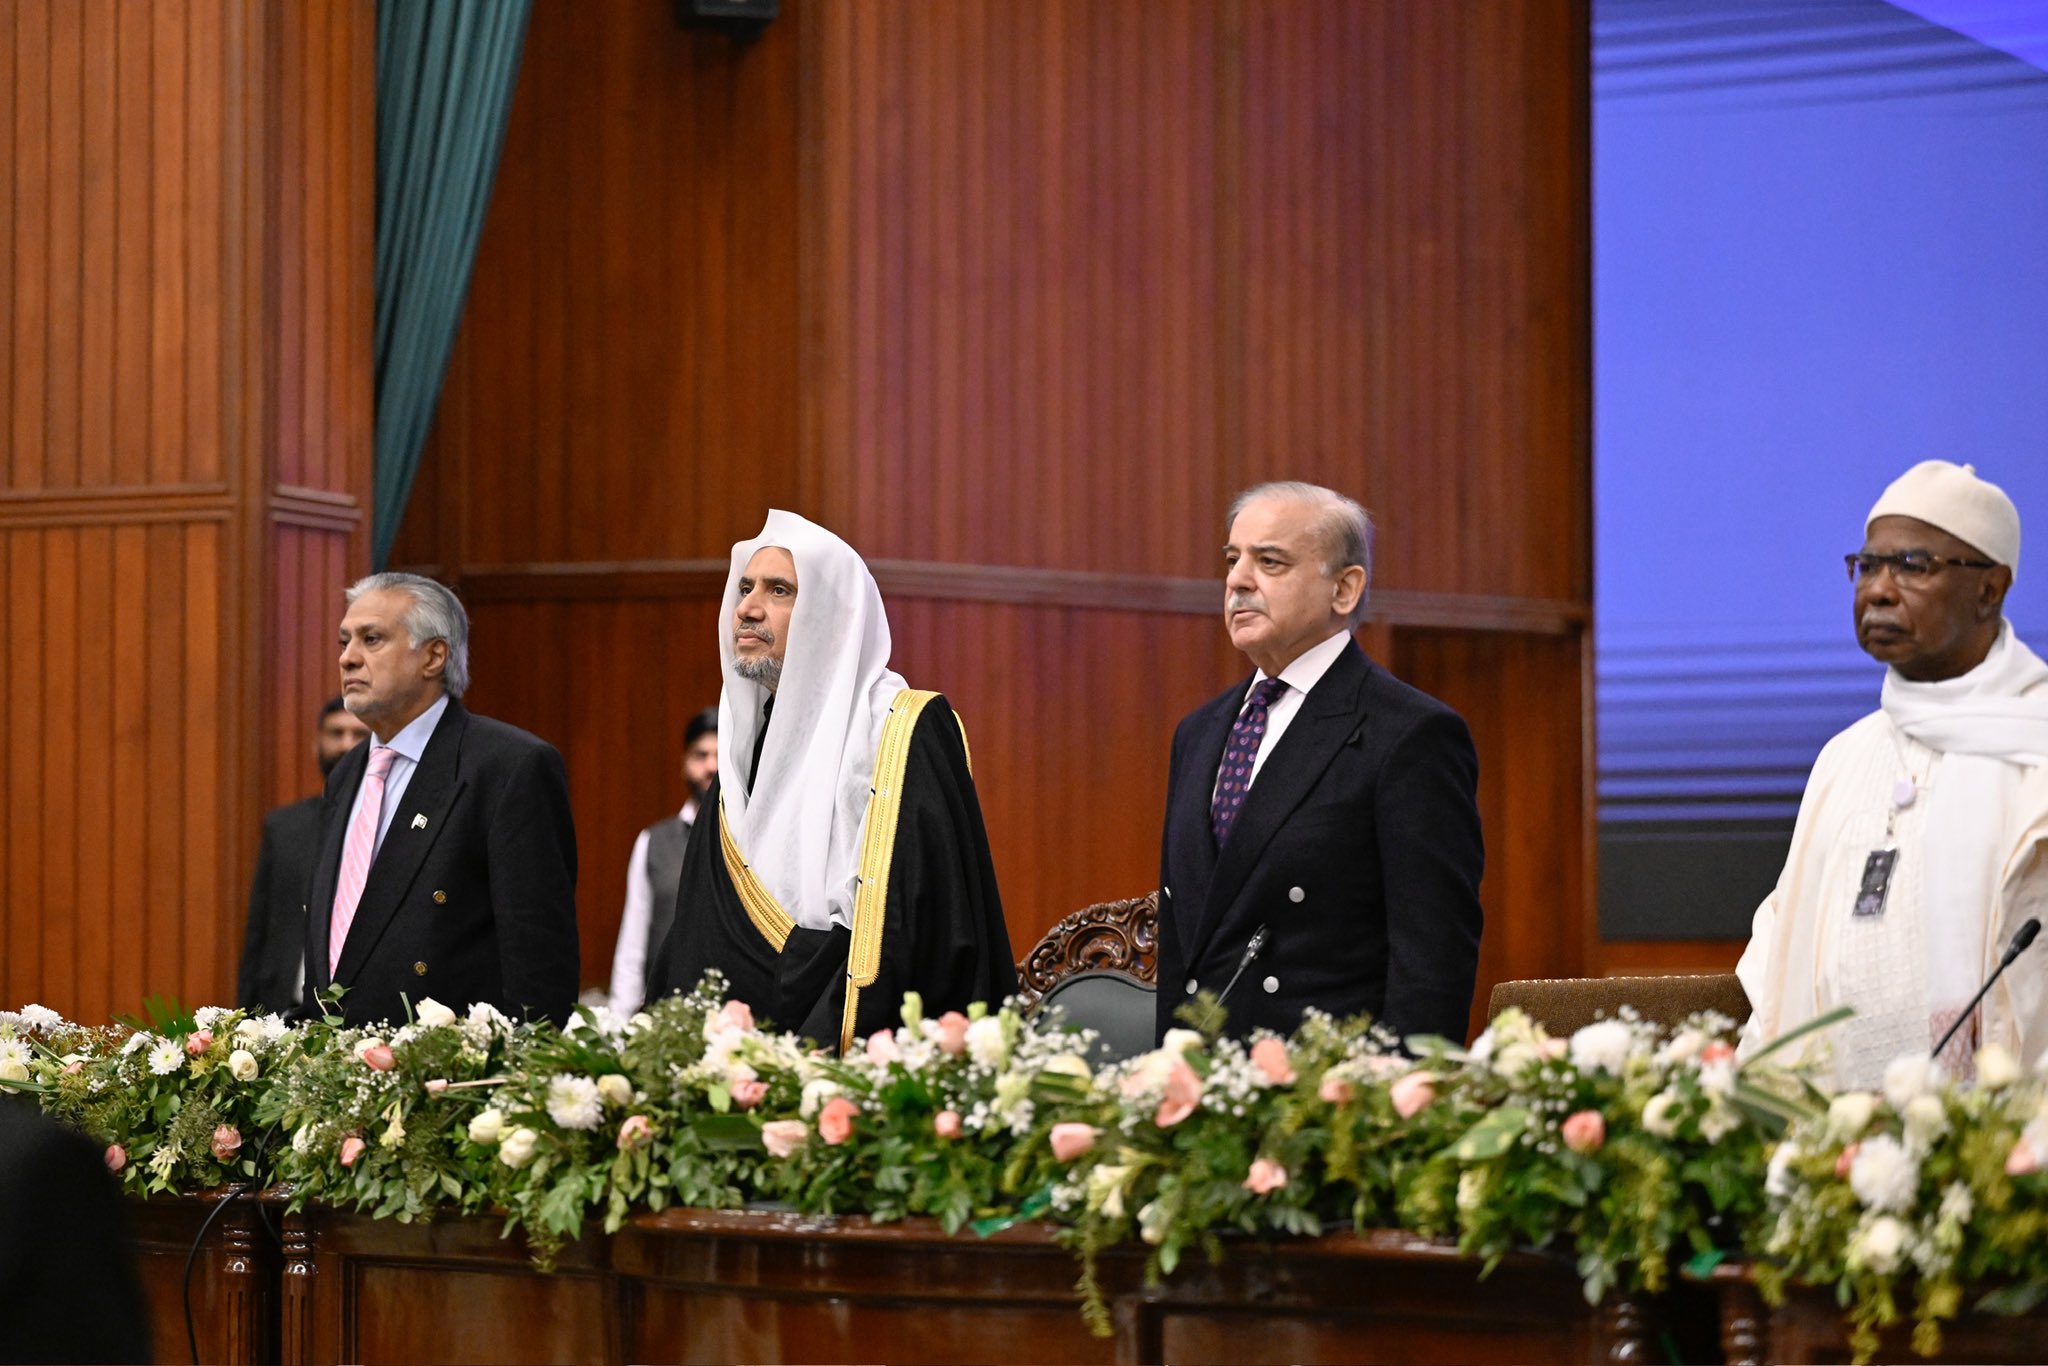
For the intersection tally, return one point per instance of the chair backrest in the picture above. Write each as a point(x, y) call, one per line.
point(1564, 1004)
point(1100, 965)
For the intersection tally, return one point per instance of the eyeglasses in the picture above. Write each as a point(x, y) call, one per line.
point(1909, 566)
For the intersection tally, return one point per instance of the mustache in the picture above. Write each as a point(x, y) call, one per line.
point(1243, 602)
point(760, 633)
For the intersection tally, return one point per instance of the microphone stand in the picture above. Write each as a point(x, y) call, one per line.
point(2021, 939)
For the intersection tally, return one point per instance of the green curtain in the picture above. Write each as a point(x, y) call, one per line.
point(445, 72)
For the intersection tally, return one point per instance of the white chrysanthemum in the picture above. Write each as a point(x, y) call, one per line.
point(986, 1042)
point(1778, 1182)
point(14, 1050)
point(573, 1102)
point(816, 1092)
point(1602, 1047)
point(1884, 1175)
point(274, 1027)
point(137, 1040)
point(206, 1017)
point(487, 1018)
point(165, 1057)
point(42, 1019)
point(1907, 1077)
point(1849, 1115)
point(1877, 1245)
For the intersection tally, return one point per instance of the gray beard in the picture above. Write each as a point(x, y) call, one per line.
point(764, 670)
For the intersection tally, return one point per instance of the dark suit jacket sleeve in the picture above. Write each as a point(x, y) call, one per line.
point(256, 927)
point(533, 883)
point(1428, 819)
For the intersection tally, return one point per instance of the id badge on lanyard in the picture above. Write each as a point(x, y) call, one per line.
point(1876, 886)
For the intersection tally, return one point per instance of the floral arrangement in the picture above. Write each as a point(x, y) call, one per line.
point(1629, 1148)
point(175, 1102)
point(1924, 1184)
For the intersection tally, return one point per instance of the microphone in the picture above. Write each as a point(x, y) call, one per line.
point(1251, 951)
point(2021, 939)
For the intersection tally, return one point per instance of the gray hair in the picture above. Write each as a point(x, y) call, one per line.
point(436, 614)
point(1344, 529)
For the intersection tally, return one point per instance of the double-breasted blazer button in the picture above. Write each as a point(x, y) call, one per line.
point(441, 898)
point(420, 969)
point(1271, 984)
point(1296, 895)
point(1193, 986)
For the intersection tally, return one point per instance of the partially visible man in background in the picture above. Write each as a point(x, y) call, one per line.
point(273, 972)
point(656, 869)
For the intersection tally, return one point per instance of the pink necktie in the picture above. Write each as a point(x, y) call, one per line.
point(356, 852)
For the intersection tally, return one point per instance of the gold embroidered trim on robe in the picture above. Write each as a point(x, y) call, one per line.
point(769, 918)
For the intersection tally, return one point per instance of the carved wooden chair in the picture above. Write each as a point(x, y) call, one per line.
point(1100, 966)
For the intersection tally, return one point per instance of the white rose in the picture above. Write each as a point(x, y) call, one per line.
point(1512, 1059)
point(249, 1030)
point(1685, 1045)
point(985, 1042)
point(638, 1021)
point(1069, 1065)
point(1996, 1068)
point(816, 1092)
point(432, 1014)
point(1876, 1247)
point(1907, 1077)
point(302, 1140)
point(1660, 1114)
point(487, 1126)
point(1884, 1175)
point(1849, 1115)
point(1926, 1119)
point(1602, 1047)
point(242, 1063)
point(1471, 1189)
point(13, 1069)
point(615, 1089)
point(364, 1045)
point(517, 1149)
point(1177, 1041)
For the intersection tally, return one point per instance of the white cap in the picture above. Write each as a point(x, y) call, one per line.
point(1951, 496)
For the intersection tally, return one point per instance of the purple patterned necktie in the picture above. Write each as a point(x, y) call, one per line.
point(1234, 778)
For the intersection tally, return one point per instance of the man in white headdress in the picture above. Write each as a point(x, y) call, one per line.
point(1922, 838)
point(843, 861)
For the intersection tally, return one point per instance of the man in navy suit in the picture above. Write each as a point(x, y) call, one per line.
point(1322, 842)
point(447, 860)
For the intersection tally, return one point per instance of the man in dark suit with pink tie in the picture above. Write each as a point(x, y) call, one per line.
point(447, 862)
point(1322, 844)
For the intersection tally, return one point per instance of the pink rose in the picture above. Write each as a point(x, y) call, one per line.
point(1069, 1141)
point(1846, 1160)
point(1336, 1090)
point(2021, 1161)
point(736, 1015)
point(1718, 1051)
point(1270, 1057)
point(636, 1132)
point(378, 1058)
point(227, 1141)
point(953, 1033)
point(1411, 1092)
point(72, 1069)
point(784, 1136)
point(198, 1041)
point(351, 1149)
point(1183, 1094)
point(882, 1049)
point(116, 1157)
point(946, 1124)
point(835, 1121)
point(1585, 1131)
point(437, 1085)
point(747, 1094)
point(1266, 1177)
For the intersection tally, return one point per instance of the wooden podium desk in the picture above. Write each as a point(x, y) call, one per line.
point(766, 1285)
point(1809, 1327)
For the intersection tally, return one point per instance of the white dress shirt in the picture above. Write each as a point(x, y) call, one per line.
point(410, 743)
point(629, 958)
point(1304, 673)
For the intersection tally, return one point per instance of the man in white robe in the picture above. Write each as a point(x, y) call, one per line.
point(1922, 838)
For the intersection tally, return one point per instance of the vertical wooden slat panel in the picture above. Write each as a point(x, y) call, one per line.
point(26, 847)
point(130, 974)
point(61, 835)
point(133, 384)
point(94, 919)
point(29, 263)
point(97, 184)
